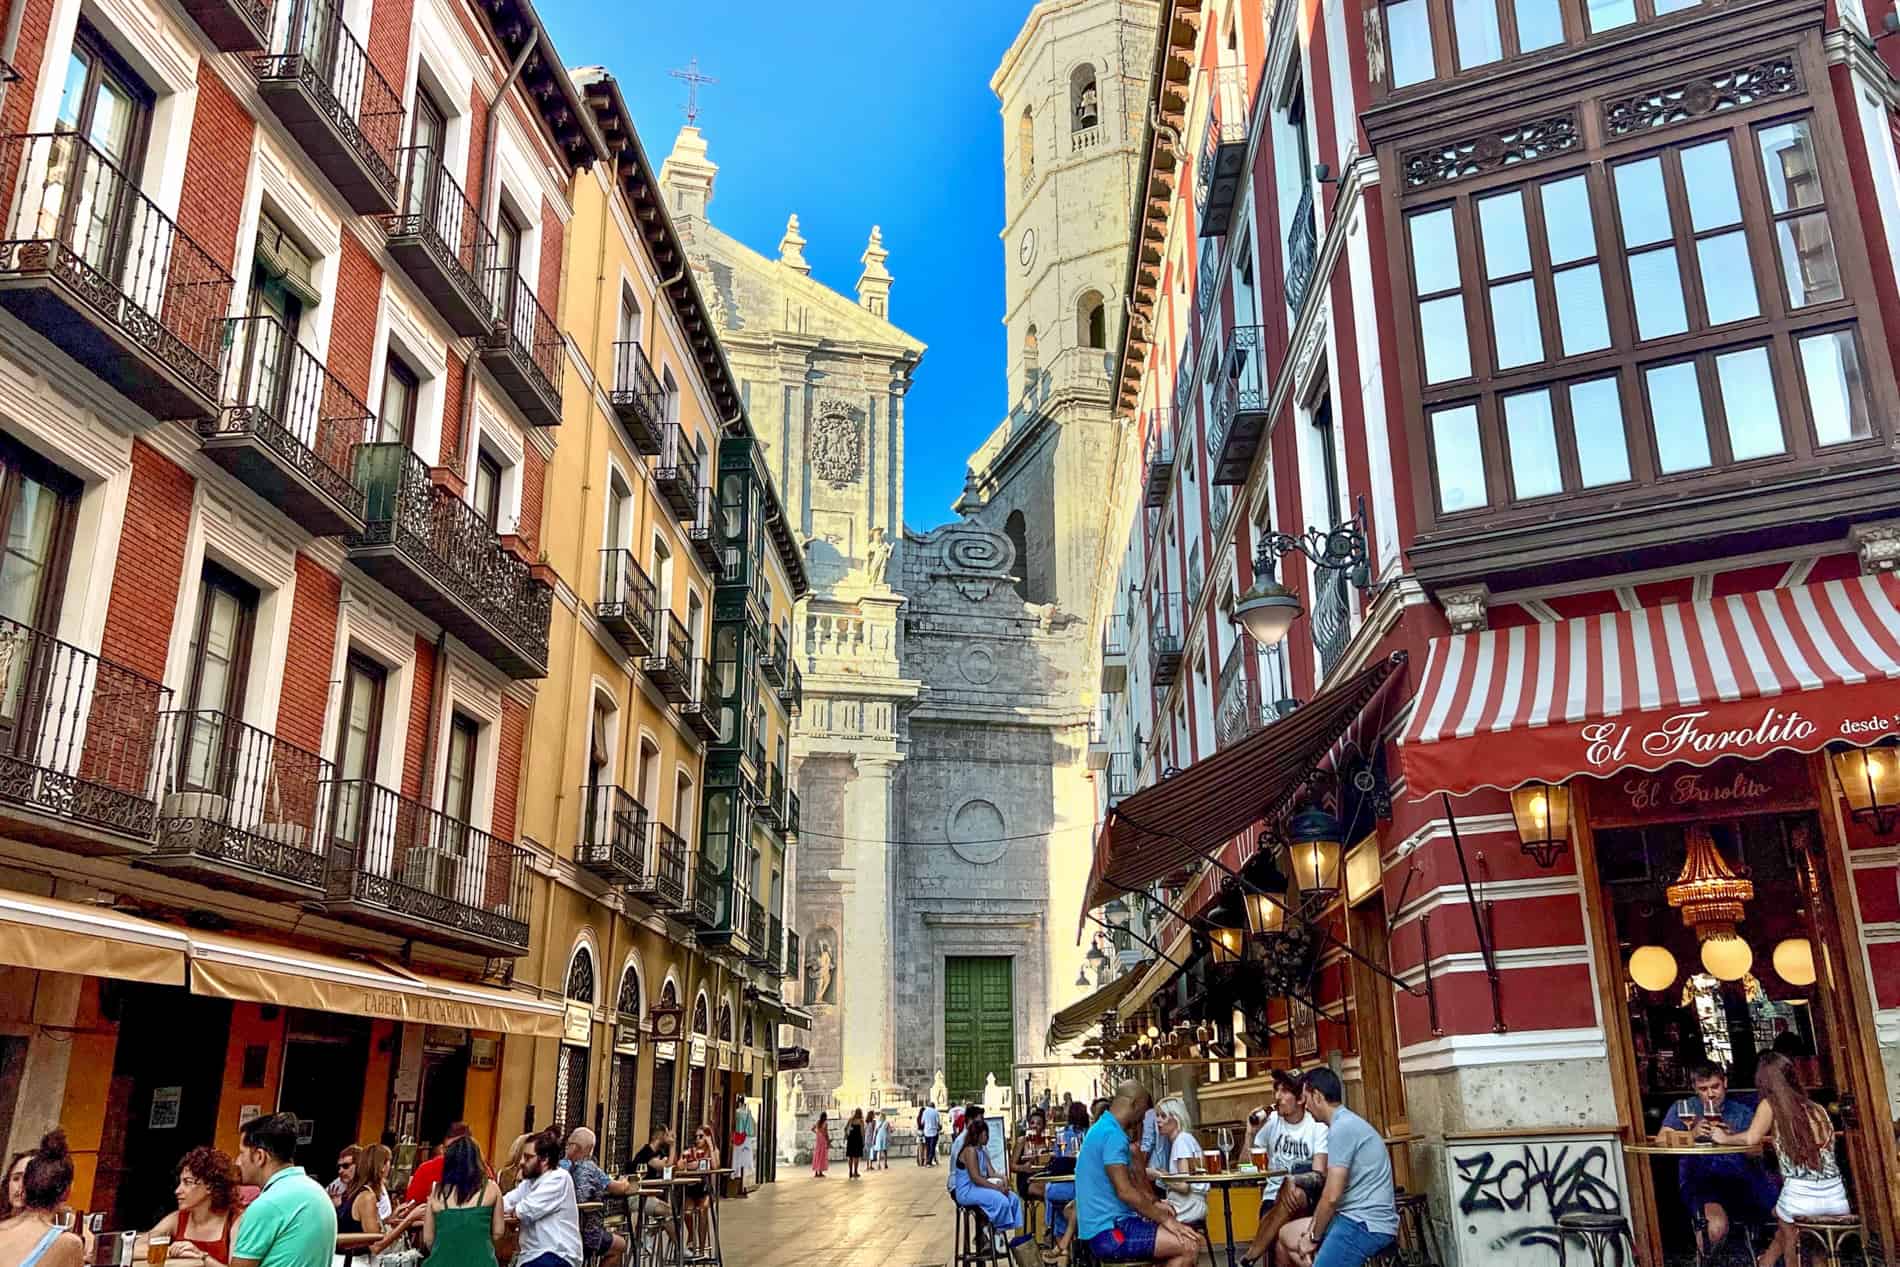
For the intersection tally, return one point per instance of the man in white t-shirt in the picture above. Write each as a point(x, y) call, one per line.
point(1295, 1141)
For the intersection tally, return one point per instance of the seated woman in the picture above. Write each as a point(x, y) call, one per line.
point(704, 1156)
point(974, 1185)
point(1811, 1184)
point(359, 1220)
point(203, 1225)
point(1183, 1153)
point(1057, 1193)
point(462, 1219)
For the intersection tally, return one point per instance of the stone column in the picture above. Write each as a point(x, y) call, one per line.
point(867, 960)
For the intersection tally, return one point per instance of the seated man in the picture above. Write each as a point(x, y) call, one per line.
point(1116, 1211)
point(1357, 1214)
point(1294, 1141)
point(1719, 1190)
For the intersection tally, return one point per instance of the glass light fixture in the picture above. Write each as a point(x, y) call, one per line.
point(1266, 915)
point(1268, 609)
point(1794, 961)
point(1225, 945)
point(1728, 958)
point(1082, 978)
point(1096, 959)
point(1653, 968)
point(1870, 780)
point(1542, 811)
point(1313, 853)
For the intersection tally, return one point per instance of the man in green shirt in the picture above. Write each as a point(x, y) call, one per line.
point(292, 1223)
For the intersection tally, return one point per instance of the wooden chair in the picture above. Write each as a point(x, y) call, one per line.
point(977, 1243)
point(1830, 1232)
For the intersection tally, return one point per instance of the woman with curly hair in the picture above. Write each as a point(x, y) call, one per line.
point(205, 1222)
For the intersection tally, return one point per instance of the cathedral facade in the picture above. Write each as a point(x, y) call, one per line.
point(941, 760)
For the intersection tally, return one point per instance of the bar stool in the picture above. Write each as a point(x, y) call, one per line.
point(1417, 1244)
point(977, 1243)
point(1598, 1232)
point(1830, 1231)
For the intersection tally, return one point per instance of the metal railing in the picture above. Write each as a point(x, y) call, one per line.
point(669, 865)
point(78, 218)
point(614, 834)
point(397, 854)
point(675, 647)
point(707, 886)
point(702, 529)
point(791, 812)
point(775, 791)
point(316, 49)
point(1302, 251)
point(678, 460)
point(530, 333)
point(793, 692)
point(1119, 776)
point(439, 532)
point(1332, 615)
point(1115, 634)
point(1236, 697)
point(755, 925)
point(1164, 624)
point(276, 391)
point(434, 208)
point(774, 944)
point(1242, 385)
point(793, 954)
point(635, 384)
point(236, 794)
point(626, 593)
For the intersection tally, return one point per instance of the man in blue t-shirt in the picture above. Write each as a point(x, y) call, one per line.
point(1357, 1215)
point(1118, 1215)
point(1725, 1188)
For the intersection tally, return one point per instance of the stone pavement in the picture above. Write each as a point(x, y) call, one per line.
point(899, 1217)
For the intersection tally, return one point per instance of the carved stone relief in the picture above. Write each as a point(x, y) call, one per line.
point(836, 444)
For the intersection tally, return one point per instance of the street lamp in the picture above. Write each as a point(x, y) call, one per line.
point(1870, 780)
point(1314, 851)
point(1268, 609)
point(1542, 811)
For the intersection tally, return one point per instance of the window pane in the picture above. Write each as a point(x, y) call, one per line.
point(1641, 202)
point(1514, 324)
point(1672, 6)
point(1836, 392)
point(1748, 398)
point(1709, 173)
point(1507, 248)
point(1787, 160)
point(1459, 459)
point(1532, 433)
point(1540, 23)
point(1408, 36)
point(1569, 228)
point(1605, 14)
point(1476, 22)
point(1447, 345)
point(1807, 259)
point(1434, 252)
point(1581, 320)
point(1656, 285)
point(1596, 423)
point(1728, 284)
point(1675, 405)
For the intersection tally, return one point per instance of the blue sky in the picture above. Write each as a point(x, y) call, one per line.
point(849, 113)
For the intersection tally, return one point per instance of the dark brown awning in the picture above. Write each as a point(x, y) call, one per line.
point(1074, 1020)
point(1165, 829)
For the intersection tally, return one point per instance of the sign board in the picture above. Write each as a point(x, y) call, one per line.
point(577, 1023)
point(725, 1057)
point(697, 1050)
point(998, 1145)
point(1727, 788)
point(248, 1113)
point(165, 1103)
point(666, 1051)
point(1506, 1193)
point(484, 1053)
point(627, 1043)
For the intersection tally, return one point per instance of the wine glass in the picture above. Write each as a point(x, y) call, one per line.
point(1226, 1143)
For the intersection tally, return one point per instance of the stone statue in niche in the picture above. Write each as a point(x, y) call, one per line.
point(836, 445)
point(877, 560)
point(821, 969)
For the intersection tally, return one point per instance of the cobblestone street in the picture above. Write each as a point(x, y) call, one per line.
point(899, 1217)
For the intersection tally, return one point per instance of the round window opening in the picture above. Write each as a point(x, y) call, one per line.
point(976, 832)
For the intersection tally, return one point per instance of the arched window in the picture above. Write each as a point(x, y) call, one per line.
point(1091, 321)
point(570, 1071)
point(1026, 146)
point(1085, 109)
point(702, 1018)
point(725, 1022)
point(746, 1039)
point(628, 1004)
point(1016, 529)
point(619, 1144)
point(580, 977)
point(1030, 351)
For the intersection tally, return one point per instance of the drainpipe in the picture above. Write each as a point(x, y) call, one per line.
point(10, 43)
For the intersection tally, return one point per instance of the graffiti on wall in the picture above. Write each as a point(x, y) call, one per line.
point(1509, 1194)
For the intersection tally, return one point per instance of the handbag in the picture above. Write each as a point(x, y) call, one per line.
point(738, 1139)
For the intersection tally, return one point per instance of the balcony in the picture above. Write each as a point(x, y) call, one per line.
point(289, 428)
point(626, 601)
point(792, 955)
point(1236, 698)
point(670, 662)
point(94, 266)
point(1240, 405)
point(791, 812)
point(524, 349)
point(431, 549)
point(1101, 726)
point(792, 693)
point(702, 534)
point(772, 656)
point(772, 807)
point(638, 399)
point(78, 738)
point(240, 808)
point(702, 711)
point(399, 866)
point(1114, 652)
point(1158, 457)
point(613, 842)
point(1164, 638)
point(232, 26)
point(706, 909)
point(1222, 168)
point(320, 84)
point(677, 472)
point(1120, 778)
point(1302, 252)
point(755, 927)
point(774, 946)
point(663, 883)
point(438, 237)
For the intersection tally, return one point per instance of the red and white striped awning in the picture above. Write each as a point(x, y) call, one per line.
point(1736, 675)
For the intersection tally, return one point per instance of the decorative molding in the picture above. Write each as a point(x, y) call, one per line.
point(1466, 607)
point(1729, 89)
point(1465, 1051)
point(836, 443)
point(1878, 545)
point(1478, 155)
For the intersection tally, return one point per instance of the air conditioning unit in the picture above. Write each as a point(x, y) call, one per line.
point(432, 871)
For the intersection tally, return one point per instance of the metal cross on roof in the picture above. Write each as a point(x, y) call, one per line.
point(693, 79)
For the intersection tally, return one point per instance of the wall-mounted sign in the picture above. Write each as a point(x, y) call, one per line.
point(577, 1023)
point(1727, 788)
point(698, 1050)
point(666, 1051)
point(484, 1053)
point(725, 1057)
point(248, 1113)
point(165, 1103)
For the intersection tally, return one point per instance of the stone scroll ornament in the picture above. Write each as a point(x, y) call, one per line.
point(837, 444)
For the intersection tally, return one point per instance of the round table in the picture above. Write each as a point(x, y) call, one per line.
point(1650, 1148)
point(1224, 1183)
point(674, 1192)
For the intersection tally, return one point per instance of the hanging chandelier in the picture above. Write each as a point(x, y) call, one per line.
point(1712, 898)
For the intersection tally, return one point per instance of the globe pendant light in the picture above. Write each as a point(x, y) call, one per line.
point(1268, 609)
point(1794, 961)
point(1653, 968)
point(1727, 957)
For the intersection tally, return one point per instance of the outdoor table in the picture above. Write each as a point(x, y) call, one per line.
point(674, 1190)
point(1654, 1148)
point(1224, 1183)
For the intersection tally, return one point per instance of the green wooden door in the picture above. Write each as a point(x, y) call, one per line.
point(979, 1029)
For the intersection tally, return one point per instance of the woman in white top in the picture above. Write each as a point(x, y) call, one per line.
point(1177, 1131)
point(1803, 1136)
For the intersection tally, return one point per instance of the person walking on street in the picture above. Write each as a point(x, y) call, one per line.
point(743, 1129)
point(33, 1234)
point(544, 1204)
point(291, 1223)
point(931, 1124)
point(881, 1142)
point(1357, 1214)
point(461, 1220)
point(820, 1146)
point(854, 1143)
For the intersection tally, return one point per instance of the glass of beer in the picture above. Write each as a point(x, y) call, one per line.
point(1212, 1158)
point(1258, 1156)
point(156, 1247)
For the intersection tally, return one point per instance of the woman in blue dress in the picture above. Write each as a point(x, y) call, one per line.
point(974, 1185)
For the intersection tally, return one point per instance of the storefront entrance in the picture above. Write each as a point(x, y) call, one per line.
point(324, 1059)
point(166, 1085)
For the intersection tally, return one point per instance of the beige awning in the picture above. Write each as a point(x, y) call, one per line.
point(260, 972)
point(52, 935)
point(1078, 1018)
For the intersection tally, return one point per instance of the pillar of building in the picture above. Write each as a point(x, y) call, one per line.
point(868, 973)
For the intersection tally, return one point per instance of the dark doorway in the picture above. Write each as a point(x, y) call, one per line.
point(166, 1075)
point(444, 1082)
point(661, 1112)
point(324, 1060)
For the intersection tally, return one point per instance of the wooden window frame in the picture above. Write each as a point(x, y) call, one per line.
point(464, 727)
point(357, 666)
point(218, 580)
point(1442, 24)
point(489, 507)
point(405, 431)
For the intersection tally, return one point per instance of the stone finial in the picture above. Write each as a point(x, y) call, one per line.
point(791, 247)
point(686, 177)
point(1466, 607)
point(874, 283)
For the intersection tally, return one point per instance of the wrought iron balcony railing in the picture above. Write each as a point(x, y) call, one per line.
point(289, 427)
point(92, 264)
point(1159, 456)
point(792, 692)
point(1332, 616)
point(755, 927)
point(1240, 404)
point(1302, 251)
point(614, 837)
point(773, 809)
point(677, 471)
point(321, 83)
point(1164, 637)
point(1222, 166)
point(1236, 697)
point(241, 807)
point(706, 908)
point(702, 533)
point(774, 945)
point(772, 655)
point(1119, 779)
point(232, 26)
point(524, 349)
point(701, 710)
point(791, 812)
point(398, 865)
point(437, 235)
point(638, 398)
point(78, 736)
point(670, 856)
point(670, 662)
point(435, 551)
point(793, 955)
point(626, 600)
